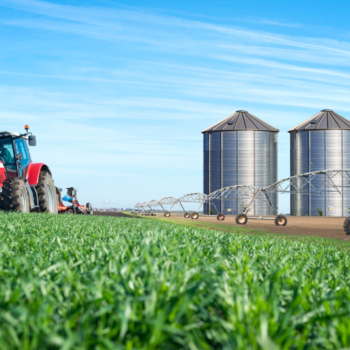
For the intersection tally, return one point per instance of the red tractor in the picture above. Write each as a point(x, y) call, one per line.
point(25, 186)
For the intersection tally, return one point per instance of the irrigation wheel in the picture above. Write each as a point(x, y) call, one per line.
point(195, 215)
point(347, 226)
point(281, 220)
point(241, 219)
point(187, 215)
point(220, 217)
point(167, 214)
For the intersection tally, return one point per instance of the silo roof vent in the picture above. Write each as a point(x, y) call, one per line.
point(324, 120)
point(241, 120)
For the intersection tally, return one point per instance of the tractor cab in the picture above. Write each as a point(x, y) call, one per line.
point(14, 152)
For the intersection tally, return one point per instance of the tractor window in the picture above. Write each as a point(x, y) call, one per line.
point(7, 154)
point(21, 148)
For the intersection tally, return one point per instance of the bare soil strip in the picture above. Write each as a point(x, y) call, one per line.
point(325, 227)
point(113, 213)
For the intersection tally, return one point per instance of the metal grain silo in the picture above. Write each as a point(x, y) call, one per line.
point(240, 150)
point(321, 143)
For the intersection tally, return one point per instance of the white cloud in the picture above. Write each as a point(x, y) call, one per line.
point(118, 19)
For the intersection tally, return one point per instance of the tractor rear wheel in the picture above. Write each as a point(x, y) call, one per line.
point(47, 196)
point(15, 195)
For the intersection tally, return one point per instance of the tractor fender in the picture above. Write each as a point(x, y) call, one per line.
point(34, 172)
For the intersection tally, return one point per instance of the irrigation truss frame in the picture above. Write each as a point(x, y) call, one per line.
point(166, 201)
point(152, 206)
point(311, 182)
point(292, 186)
point(143, 207)
point(196, 197)
point(136, 208)
point(250, 193)
point(297, 184)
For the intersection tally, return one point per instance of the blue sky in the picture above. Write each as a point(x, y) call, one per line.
point(118, 93)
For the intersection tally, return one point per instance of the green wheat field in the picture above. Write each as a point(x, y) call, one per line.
point(81, 282)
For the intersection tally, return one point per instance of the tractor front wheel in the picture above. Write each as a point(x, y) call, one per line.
point(15, 195)
point(47, 196)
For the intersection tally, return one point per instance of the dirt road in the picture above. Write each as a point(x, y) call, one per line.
point(325, 227)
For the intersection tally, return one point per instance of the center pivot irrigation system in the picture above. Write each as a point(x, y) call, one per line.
point(316, 182)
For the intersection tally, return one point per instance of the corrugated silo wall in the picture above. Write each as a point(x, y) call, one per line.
point(321, 150)
point(239, 158)
point(215, 168)
point(206, 169)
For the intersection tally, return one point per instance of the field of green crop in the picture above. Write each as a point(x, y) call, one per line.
point(81, 282)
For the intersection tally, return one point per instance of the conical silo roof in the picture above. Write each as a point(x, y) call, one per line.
point(241, 120)
point(324, 120)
